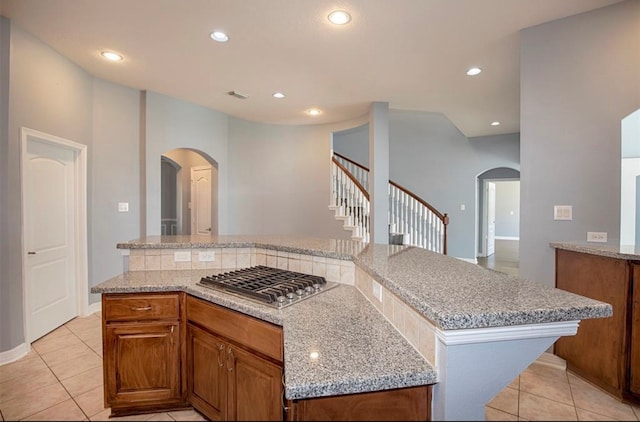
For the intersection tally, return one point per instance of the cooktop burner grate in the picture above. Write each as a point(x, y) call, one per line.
point(272, 286)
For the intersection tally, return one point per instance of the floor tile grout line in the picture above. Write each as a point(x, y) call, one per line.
point(60, 382)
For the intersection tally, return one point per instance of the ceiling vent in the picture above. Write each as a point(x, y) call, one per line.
point(238, 95)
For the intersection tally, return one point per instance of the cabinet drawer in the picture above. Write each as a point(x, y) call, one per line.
point(141, 307)
point(257, 335)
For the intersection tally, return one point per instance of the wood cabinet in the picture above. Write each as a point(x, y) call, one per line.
point(634, 353)
point(143, 348)
point(404, 404)
point(166, 351)
point(234, 364)
point(605, 351)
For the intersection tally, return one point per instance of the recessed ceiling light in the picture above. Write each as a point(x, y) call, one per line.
point(278, 95)
point(110, 55)
point(219, 36)
point(313, 112)
point(474, 71)
point(339, 17)
point(495, 123)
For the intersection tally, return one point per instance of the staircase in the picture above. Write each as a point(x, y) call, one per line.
point(412, 221)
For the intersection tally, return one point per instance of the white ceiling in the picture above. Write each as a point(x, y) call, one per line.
point(412, 54)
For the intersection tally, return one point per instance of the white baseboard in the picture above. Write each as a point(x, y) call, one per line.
point(471, 260)
point(95, 307)
point(507, 238)
point(21, 350)
point(14, 354)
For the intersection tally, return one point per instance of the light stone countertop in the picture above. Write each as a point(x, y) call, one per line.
point(359, 350)
point(611, 250)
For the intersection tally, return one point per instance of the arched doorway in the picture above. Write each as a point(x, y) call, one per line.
point(498, 219)
point(189, 192)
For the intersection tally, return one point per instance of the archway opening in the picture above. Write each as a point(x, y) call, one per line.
point(189, 193)
point(498, 220)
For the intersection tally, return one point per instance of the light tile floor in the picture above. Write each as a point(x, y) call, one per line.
point(61, 379)
point(547, 392)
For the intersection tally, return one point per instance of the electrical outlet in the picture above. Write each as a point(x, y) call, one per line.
point(597, 237)
point(123, 207)
point(377, 290)
point(207, 256)
point(182, 256)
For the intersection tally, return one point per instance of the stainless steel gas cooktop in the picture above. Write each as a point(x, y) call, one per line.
point(270, 286)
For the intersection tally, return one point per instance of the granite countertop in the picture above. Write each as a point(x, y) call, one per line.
point(344, 327)
point(611, 250)
point(451, 293)
point(456, 294)
point(357, 349)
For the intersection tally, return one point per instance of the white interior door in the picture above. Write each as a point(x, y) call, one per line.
point(51, 282)
point(201, 200)
point(491, 218)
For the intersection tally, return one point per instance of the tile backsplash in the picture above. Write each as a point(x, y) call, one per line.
point(337, 270)
point(418, 330)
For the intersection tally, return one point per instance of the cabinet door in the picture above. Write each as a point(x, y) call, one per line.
point(207, 373)
point(255, 387)
point(142, 363)
point(634, 358)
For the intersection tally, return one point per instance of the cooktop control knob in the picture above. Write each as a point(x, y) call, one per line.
point(290, 295)
point(300, 292)
point(281, 299)
point(309, 289)
point(316, 286)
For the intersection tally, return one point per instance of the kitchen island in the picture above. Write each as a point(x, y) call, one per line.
point(401, 317)
point(605, 351)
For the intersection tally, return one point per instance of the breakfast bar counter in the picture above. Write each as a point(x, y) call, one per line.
point(401, 316)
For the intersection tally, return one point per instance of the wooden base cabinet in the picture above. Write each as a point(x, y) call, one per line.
point(142, 353)
point(634, 353)
point(605, 351)
point(403, 404)
point(236, 376)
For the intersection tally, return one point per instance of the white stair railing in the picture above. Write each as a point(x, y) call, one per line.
point(350, 201)
point(415, 220)
point(420, 224)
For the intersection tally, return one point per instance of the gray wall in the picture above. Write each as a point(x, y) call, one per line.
point(173, 123)
point(429, 156)
point(8, 271)
point(579, 78)
point(115, 171)
point(48, 93)
point(280, 180)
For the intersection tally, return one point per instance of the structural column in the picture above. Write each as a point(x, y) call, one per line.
point(379, 172)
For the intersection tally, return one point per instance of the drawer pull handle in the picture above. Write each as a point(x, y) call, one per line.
point(230, 357)
point(220, 349)
point(141, 308)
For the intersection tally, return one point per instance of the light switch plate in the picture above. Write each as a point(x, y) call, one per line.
point(207, 256)
point(563, 212)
